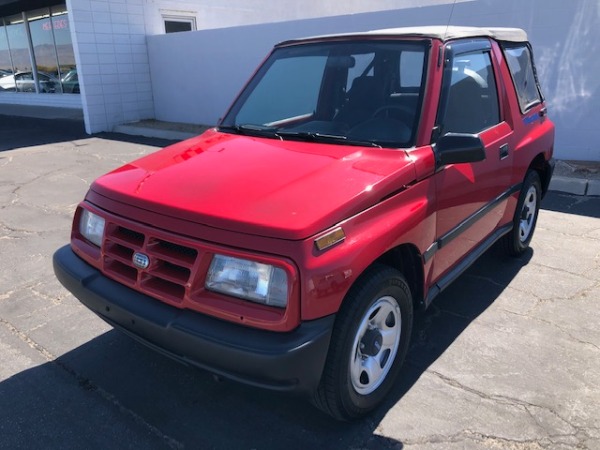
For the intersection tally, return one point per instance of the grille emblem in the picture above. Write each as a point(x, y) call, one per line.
point(140, 260)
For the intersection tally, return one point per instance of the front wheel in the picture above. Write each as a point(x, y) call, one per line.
point(369, 342)
point(526, 214)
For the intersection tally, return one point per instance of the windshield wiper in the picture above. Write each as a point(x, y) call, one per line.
point(272, 132)
point(251, 130)
point(323, 137)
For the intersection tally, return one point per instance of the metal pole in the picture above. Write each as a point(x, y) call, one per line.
point(12, 63)
point(58, 68)
point(31, 53)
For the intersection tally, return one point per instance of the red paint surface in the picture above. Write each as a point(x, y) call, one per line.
point(267, 187)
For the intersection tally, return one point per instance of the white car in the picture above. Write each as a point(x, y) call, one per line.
point(23, 82)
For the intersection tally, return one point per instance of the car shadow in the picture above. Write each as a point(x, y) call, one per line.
point(126, 388)
point(135, 139)
point(572, 204)
point(21, 132)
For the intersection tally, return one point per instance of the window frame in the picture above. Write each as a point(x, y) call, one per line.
point(191, 19)
point(452, 50)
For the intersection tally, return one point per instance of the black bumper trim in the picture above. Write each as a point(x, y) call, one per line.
point(291, 361)
point(550, 165)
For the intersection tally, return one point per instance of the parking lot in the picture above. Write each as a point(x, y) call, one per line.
point(507, 358)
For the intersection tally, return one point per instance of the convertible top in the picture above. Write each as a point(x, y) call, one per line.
point(442, 32)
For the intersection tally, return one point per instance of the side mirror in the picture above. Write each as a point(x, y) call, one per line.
point(455, 148)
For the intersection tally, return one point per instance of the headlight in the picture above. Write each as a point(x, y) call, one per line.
point(91, 227)
point(250, 280)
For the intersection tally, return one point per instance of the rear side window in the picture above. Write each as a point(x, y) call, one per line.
point(522, 70)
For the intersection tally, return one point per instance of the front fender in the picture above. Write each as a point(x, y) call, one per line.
point(408, 217)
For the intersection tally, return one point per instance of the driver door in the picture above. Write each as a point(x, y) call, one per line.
point(471, 197)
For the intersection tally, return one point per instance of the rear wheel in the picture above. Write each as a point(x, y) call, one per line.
point(369, 342)
point(526, 214)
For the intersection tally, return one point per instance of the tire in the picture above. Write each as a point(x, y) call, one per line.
point(369, 342)
point(526, 214)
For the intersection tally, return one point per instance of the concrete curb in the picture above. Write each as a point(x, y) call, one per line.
point(575, 186)
point(593, 188)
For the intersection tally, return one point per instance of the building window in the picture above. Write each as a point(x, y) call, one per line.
point(175, 24)
point(18, 54)
point(64, 50)
point(36, 53)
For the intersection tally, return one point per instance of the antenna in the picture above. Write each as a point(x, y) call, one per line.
point(449, 19)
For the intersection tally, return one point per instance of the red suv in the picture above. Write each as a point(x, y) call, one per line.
point(352, 180)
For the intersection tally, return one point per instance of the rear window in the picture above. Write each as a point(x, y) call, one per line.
point(522, 70)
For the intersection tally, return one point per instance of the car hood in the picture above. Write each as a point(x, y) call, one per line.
point(267, 187)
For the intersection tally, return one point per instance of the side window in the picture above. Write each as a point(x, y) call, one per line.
point(522, 70)
point(472, 102)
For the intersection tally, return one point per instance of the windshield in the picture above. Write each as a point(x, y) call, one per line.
point(366, 93)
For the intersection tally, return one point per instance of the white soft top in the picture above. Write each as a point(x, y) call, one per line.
point(442, 32)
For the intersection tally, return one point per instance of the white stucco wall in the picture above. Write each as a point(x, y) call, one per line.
point(211, 66)
point(109, 39)
point(196, 75)
point(210, 14)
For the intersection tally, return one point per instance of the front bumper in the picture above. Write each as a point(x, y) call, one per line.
point(291, 361)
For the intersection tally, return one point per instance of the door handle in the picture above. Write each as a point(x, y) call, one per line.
point(504, 151)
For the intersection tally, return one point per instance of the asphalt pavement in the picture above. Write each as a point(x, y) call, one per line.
point(508, 357)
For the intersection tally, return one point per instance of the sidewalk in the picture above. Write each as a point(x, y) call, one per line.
point(162, 130)
point(571, 177)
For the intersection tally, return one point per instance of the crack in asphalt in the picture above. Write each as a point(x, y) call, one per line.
point(584, 292)
point(481, 438)
point(54, 299)
point(17, 230)
point(5, 161)
point(515, 402)
point(88, 385)
point(589, 234)
point(46, 209)
point(555, 325)
point(580, 341)
point(571, 235)
point(490, 441)
point(558, 269)
point(6, 295)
